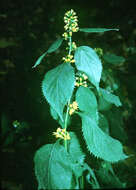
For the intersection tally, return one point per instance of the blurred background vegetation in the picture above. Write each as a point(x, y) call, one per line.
point(27, 29)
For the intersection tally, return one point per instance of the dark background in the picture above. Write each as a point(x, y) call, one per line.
point(27, 29)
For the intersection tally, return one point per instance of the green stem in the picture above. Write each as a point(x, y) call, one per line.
point(70, 47)
point(65, 123)
point(66, 118)
point(82, 182)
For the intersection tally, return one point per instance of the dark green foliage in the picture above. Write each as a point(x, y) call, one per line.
point(113, 59)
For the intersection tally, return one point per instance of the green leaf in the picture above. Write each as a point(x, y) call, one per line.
point(103, 123)
point(99, 143)
point(87, 101)
point(96, 30)
point(50, 159)
point(58, 86)
point(109, 97)
point(75, 150)
point(51, 49)
point(87, 60)
point(55, 45)
point(113, 59)
point(39, 60)
point(54, 114)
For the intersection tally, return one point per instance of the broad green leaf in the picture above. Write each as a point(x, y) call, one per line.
point(87, 60)
point(58, 86)
point(54, 114)
point(113, 59)
point(87, 101)
point(96, 30)
point(103, 123)
point(75, 150)
point(51, 49)
point(53, 167)
point(109, 97)
point(99, 143)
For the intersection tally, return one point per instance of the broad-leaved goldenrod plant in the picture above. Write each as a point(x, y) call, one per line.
point(73, 88)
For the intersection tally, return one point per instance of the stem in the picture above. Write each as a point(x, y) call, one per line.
point(65, 123)
point(70, 48)
point(82, 182)
point(66, 118)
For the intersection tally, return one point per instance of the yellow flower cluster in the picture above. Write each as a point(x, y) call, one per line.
point(62, 133)
point(68, 58)
point(70, 19)
point(81, 80)
point(73, 107)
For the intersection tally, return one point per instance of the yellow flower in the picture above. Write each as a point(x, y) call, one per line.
point(81, 80)
point(73, 107)
point(70, 19)
point(76, 84)
point(62, 133)
point(72, 61)
point(69, 59)
point(71, 111)
point(65, 35)
point(84, 76)
point(75, 29)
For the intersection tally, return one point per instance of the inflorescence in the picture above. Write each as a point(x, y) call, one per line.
point(62, 133)
point(81, 80)
point(73, 107)
point(70, 20)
